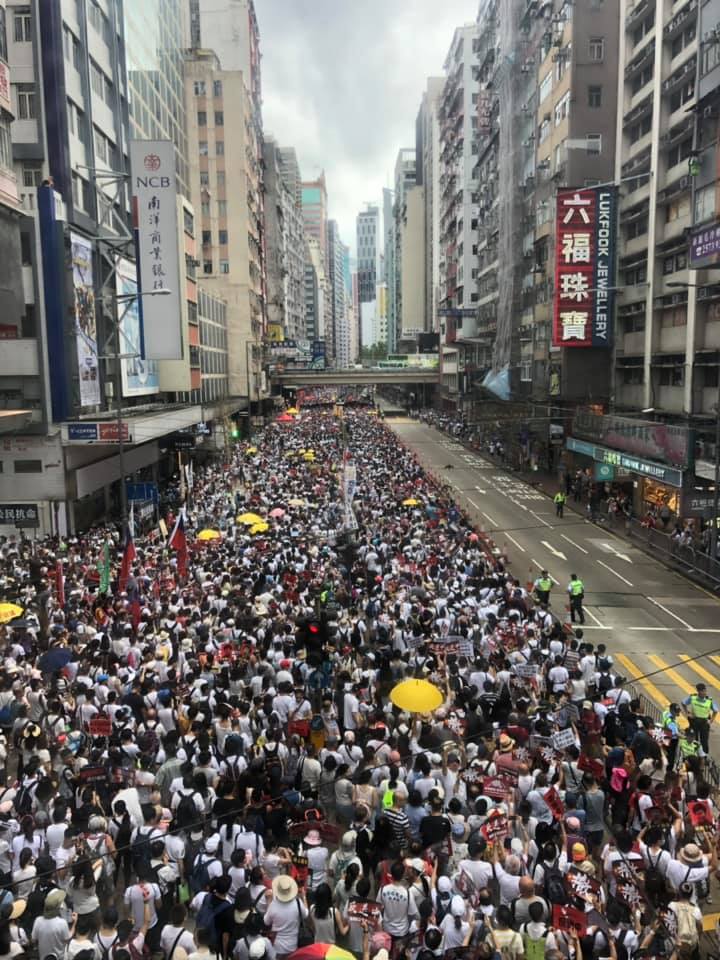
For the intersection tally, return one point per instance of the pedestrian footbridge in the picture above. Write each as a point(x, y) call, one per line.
point(309, 378)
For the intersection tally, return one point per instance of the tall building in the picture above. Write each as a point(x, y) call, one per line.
point(458, 219)
point(290, 169)
point(388, 270)
point(231, 240)
point(318, 297)
point(285, 250)
point(314, 203)
point(367, 236)
point(230, 29)
point(336, 276)
point(405, 173)
point(344, 354)
point(411, 270)
point(427, 176)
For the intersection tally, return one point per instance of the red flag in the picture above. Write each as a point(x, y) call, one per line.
point(178, 542)
point(127, 561)
point(60, 583)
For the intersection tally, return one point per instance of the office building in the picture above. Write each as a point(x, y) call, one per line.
point(368, 240)
point(405, 331)
point(314, 203)
point(412, 263)
point(388, 261)
point(427, 176)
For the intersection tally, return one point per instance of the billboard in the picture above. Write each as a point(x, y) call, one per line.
point(155, 203)
point(139, 376)
point(585, 232)
point(664, 442)
point(83, 278)
point(705, 246)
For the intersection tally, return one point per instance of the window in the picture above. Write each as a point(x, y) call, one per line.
point(672, 376)
point(710, 57)
point(593, 143)
point(710, 376)
point(634, 323)
point(206, 238)
point(32, 174)
point(562, 109)
point(22, 23)
point(5, 145)
point(641, 129)
point(96, 80)
point(680, 152)
point(596, 48)
point(3, 35)
point(545, 87)
point(220, 179)
point(677, 208)
point(632, 376)
point(222, 208)
point(28, 466)
point(207, 266)
point(202, 118)
point(681, 96)
point(224, 266)
point(199, 88)
point(204, 178)
point(641, 78)
point(544, 131)
point(205, 208)
point(219, 118)
point(78, 191)
point(203, 147)
point(222, 237)
point(636, 228)
point(594, 96)
point(704, 204)
point(26, 101)
point(220, 148)
point(217, 88)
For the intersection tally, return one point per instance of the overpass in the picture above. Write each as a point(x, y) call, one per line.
point(310, 378)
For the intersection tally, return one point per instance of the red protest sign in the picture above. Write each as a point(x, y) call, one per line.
point(700, 813)
point(569, 919)
point(588, 765)
point(581, 885)
point(365, 910)
point(495, 828)
point(100, 727)
point(495, 787)
point(554, 803)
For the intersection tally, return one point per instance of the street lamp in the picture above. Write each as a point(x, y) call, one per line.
point(128, 299)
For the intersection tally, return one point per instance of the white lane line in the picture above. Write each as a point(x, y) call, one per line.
point(510, 537)
point(541, 519)
point(592, 615)
point(541, 567)
point(576, 545)
point(490, 519)
point(472, 503)
point(616, 574)
point(671, 614)
point(656, 629)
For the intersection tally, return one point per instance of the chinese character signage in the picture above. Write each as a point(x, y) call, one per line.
point(705, 246)
point(584, 267)
point(5, 88)
point(139, 376)
point(19, 514)
point(81, 254)
point(85, 431)
point(155, 215)
point(484, 110)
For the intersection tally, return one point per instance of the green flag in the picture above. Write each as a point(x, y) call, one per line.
point(105, 569)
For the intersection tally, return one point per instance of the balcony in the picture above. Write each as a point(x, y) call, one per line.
point(682, 18)
point(637, 11)
point(682, 75)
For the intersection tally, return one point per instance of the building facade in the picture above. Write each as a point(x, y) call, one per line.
point(427, 176)
point(336, 278)
point(368, 240)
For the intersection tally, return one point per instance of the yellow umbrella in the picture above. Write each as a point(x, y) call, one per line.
point(249, 519)
point(411, 502)
point(250, 451)
point(296, 502)
point(309, 456)
point(9, 611)
point(209, 535)
point(260, 528)
point(416, 696)
point(293, 410)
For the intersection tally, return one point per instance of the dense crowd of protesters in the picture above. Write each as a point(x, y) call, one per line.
point(201, 754)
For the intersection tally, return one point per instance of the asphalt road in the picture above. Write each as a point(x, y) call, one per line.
point(653, 621)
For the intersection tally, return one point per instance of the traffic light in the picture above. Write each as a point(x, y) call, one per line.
point(234, 432)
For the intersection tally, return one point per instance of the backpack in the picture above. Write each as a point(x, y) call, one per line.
point(534, 949)
point(105, 951)
point(273, 763)
point(208, 914)
point(141, 847)
point(200, 876)
point(442, 906)
point(187, 811)
point(135, 954)
point(554, 885)
point(604, 682)
point(24, 798)
point(687, 935)
point(8, 713)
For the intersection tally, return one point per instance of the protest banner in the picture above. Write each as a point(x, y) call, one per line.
point(554, 802)
point(569, 919)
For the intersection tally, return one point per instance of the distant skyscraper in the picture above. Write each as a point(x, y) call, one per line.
point(314, 211)
point(291, 172)
point(337, 282)
point(367, 229)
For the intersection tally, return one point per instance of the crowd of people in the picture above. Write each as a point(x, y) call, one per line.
point(202, 755)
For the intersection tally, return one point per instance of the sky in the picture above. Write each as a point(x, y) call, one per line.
point(342, 82)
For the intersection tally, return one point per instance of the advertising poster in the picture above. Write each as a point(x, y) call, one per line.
point(139, 376)
point(85, 321)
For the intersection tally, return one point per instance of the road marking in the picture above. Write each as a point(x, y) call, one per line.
point(673, 674)
point(657, 629)
point(591, 614)
point(541, 519)
point(576, 545)
point(472, 503)
point(611, 549)
point(480, 490)
point(671, 614)
point(510, 537)
point(655, 694)
point(715, 659)
point(541, 567)
point(701, 671)
point(490, 519)
point(615, 573)
point(552, 550)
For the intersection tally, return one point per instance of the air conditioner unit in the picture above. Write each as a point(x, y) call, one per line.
point(683, 183)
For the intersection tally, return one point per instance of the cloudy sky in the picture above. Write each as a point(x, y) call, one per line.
point(342, 82)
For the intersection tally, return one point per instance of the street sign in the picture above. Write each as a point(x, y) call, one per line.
point(604, 471)
point(85, 431)
point(142, 491)
point(182, 441)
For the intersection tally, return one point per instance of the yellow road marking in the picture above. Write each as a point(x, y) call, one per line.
point(655, 694)
point(673, 674)
point(701, 671)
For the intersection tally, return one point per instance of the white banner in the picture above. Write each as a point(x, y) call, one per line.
point(139, 376)
point(81, 253)
point(155, 213)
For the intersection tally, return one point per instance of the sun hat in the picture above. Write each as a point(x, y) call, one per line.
point(53, 901)
point(691, 854)
point(284, 888)
point(506, 743)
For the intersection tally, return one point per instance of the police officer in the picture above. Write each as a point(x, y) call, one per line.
point(543, 586)
point(576, 591)
point(671, 729)
point(560, 500)
point(700, 711)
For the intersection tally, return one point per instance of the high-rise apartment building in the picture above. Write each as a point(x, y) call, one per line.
point(285, 249)
point(222, 153)
point(336, 260)
point(412, 261)
point(367, 237)
point(388, 262)
point(427, 176)
point(290, 169)
point(314, 202)
point(405, 174)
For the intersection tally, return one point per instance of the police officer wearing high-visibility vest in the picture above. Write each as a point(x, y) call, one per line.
point(559, 500)
point(542, 587)
point(700, 710)
point(576, 592)
point(669, 724)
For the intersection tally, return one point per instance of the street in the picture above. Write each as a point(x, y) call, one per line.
point(652, 620)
